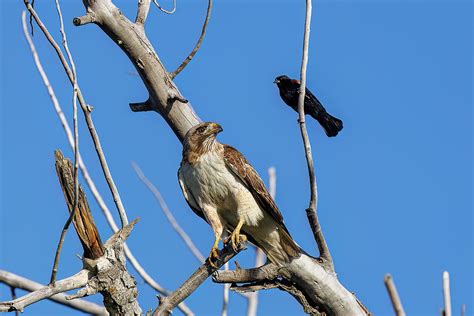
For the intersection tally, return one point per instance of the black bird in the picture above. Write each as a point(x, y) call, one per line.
point(289, 92)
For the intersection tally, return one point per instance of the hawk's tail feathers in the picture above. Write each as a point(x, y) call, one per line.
point(283, 252)
point(332, 125)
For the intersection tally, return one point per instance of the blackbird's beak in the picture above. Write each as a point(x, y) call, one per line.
point(276, 81)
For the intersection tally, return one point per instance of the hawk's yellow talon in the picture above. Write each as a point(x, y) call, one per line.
point(214, 254)
point(236, 237)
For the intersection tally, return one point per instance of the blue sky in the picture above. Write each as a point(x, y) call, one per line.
point(395, 186)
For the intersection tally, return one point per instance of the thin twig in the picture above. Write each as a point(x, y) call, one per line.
point(163, 10)
point(169, 215)
point(76, 143)
point(86, 110)
point(198, 44)
point(463, 309)
point(90, 183)
point(393, 294)
point(225, 302)
point(446, 294)
point(311, 211)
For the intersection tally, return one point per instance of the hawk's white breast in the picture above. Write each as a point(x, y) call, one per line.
point(213, 184)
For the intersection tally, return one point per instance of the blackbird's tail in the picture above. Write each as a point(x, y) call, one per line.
point(332, 125)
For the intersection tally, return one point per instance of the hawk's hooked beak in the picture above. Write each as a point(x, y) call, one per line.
point(216, 128)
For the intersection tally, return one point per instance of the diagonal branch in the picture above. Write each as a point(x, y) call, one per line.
point(168, 303)
point(198, 44)
point(311, 213)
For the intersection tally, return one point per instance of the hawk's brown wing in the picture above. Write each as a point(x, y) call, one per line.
point(241, 168)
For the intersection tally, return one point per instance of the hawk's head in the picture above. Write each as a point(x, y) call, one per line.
point(201, 137)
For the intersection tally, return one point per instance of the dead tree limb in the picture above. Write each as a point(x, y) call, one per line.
point(107, 262)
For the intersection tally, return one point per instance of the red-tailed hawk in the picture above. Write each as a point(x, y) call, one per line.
point(222, 187)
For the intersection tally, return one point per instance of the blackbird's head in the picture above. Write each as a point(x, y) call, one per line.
point(284, 81)
point(202, 136)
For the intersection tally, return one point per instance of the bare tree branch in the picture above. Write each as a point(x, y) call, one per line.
point(311, 211)
point(198, 44)
point(86, 110)
point(168, 303)
point(169, 215)
point(142, 13)
point(446, 294)
point(40, 292)
point(393, 294)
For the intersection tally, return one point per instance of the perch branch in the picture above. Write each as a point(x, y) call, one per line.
point(311, 211)
point(169, 215)
point(168, 303)
point(393, 294)
point(198, 44)
point(86, 110)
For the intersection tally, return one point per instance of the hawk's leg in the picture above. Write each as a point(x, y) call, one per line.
point(213, 219)
point(236, 237)
point(214, 254)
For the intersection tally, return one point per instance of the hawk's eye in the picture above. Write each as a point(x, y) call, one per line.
point(201, 129)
